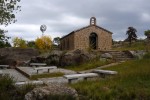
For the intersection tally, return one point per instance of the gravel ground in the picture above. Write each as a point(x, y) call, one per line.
point(15, 74)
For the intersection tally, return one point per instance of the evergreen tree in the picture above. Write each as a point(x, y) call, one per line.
point(131, 34)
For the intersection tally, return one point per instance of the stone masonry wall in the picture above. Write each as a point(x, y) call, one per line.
point(67, 43)
point(82, 38)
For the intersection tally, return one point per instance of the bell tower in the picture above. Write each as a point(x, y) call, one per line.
point(93, 21)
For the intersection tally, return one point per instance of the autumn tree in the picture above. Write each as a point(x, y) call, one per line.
point(44, 43)
point(19, 42)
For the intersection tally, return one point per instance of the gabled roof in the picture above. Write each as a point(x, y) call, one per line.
point(85, 28)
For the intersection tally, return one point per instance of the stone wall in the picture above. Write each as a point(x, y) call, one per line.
point(67, 43)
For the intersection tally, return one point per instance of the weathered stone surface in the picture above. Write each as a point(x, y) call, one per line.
point(76, 57)
point(107, 56)
point(16, 56)
point(53, 57)
point(53, 89)
point(138, 54)
point(65, 59)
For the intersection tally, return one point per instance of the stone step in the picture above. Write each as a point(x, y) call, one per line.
point(120, 55)
point(117, 53)
point(124, 56)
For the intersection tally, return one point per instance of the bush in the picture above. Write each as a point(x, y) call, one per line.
point(8, 90)
point(23, 90)
point(147, 32)
point(6, 87)
point(19, 42)
point(6, 83)
point(147, 56)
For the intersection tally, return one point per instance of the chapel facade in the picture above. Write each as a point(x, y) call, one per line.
point(89, 37)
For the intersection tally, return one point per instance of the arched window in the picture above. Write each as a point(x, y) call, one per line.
point(93, 39)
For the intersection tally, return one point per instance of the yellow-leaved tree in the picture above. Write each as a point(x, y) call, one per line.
point(44, 43)
point(19, 42)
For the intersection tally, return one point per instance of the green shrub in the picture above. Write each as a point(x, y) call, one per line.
point(21, 91)
point(6, 87)
point(147, 56)
point(6, 83)
point(8, 90)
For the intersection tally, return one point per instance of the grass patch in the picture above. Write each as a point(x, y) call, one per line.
point(46, 75)
point(60, 97)
point(89, 65)
point(132, 83)
point(9, 91)
point(140, 45)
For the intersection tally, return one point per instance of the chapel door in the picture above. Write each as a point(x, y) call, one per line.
point(93, 41)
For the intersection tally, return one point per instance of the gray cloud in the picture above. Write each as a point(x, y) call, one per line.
point(64, 16)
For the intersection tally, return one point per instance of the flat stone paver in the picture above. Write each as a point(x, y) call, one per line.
point(15, 74)
point(54, 80)
point(31, 71)
point(105, 66)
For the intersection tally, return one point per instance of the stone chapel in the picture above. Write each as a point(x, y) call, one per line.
point(91, 36)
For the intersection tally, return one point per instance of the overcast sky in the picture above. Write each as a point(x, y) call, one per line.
point(63, 16)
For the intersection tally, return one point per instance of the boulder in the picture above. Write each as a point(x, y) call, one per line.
point(106, 55)
point(68, 59)
point(76, 57)
point(138, 54)
point(45, 93)
point(60, 58)
point(53, 57)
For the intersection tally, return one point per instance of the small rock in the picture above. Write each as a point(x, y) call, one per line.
point(138, 54)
